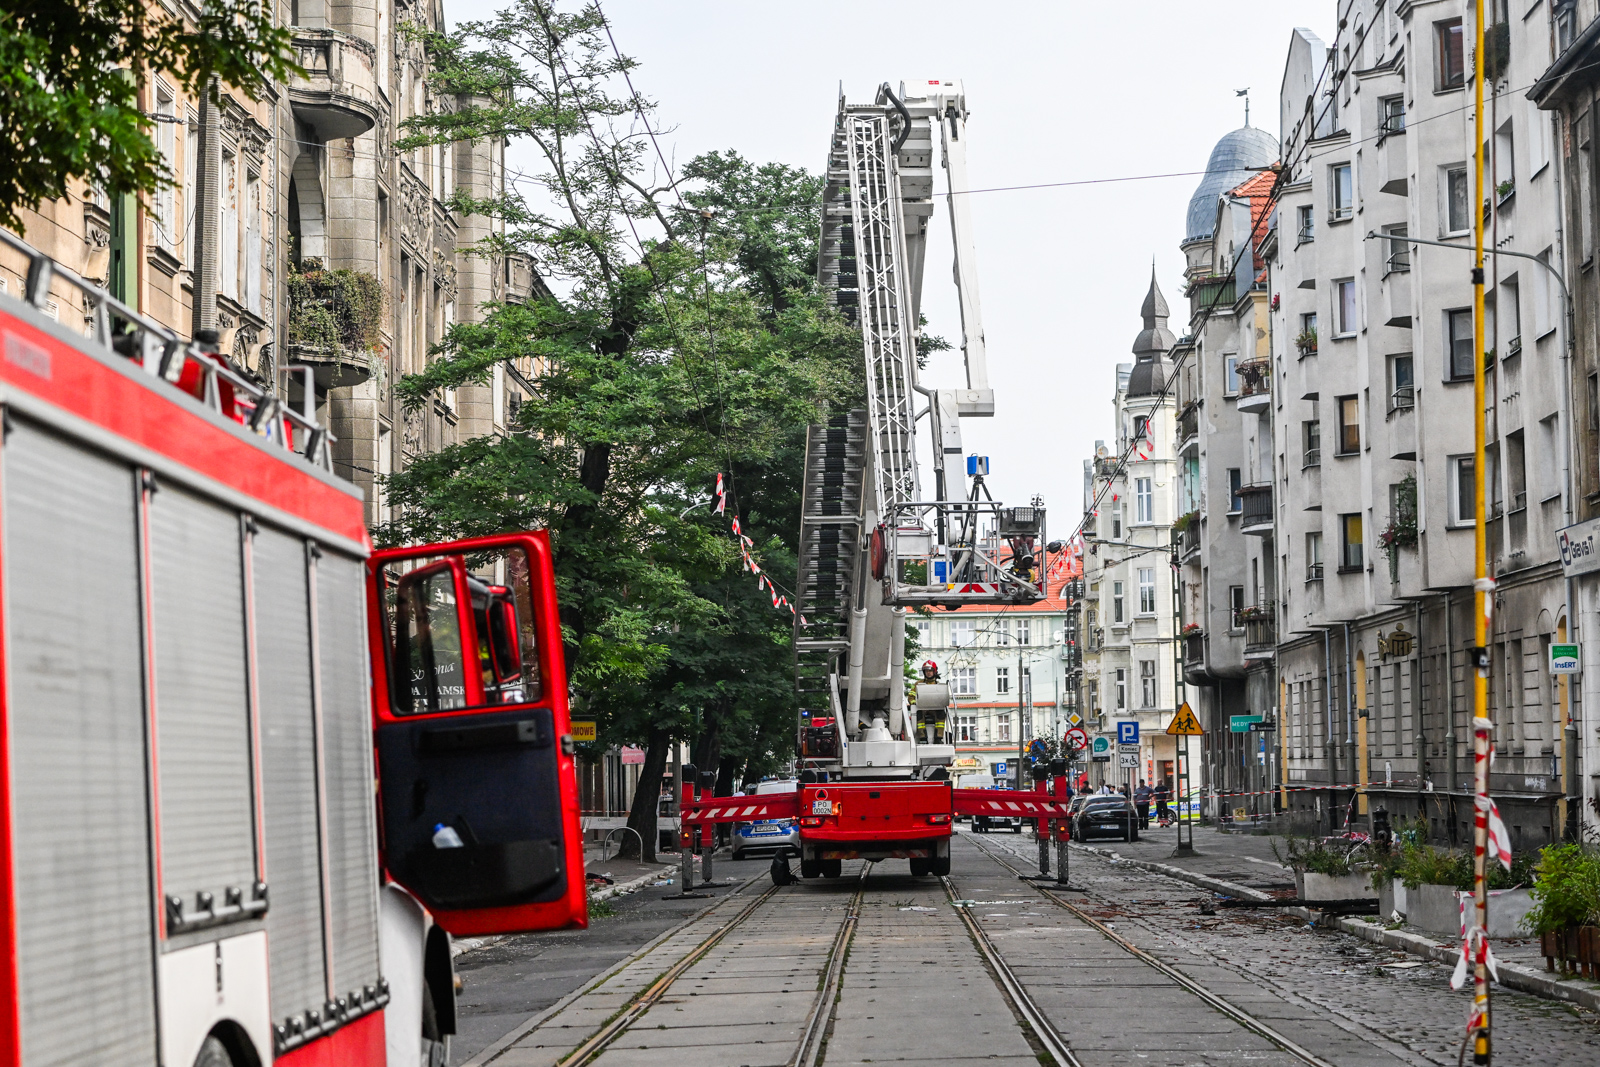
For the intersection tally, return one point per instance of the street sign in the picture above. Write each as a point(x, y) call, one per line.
point(1038, 748)
point(1563, 659)
point(1264, 726)
point(1128, 733)
point(1075, 738)
point(1127, 759)
point(632, 756)
point(1580, 548)
point(999, 768)
point(1074, 719)
point(1184, 724)
point(583, 730)
point(1100, 750)
point(1243, 724)
point(1127, 748)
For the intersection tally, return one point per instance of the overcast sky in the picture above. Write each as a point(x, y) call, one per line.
point(1062, 91)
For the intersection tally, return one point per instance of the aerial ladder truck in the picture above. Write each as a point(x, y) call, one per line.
point(874, 778)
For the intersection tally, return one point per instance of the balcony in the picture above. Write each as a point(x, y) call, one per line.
point(1255, 386)
point(1194, 649)
point(1105, 467)
point(1189, 538)
point(1260, 633)
point(334, 321)
point(1212, 292)
point(337, 96)
point(1256, 513)
point(1188, 424)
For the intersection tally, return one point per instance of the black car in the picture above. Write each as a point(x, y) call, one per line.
point(1105, 816)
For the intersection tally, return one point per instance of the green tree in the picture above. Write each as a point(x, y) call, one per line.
point(68, 73)
point(681, 344)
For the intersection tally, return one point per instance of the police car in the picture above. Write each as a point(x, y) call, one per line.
point(768, 835)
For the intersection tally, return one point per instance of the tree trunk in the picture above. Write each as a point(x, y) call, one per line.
point(727, 768)
point(642, 813)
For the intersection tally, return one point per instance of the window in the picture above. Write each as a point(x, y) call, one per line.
point(1342, 194)
point(1235, 606)
point(1308, 225)
point(1565, 20)
point(1507, 321)
point(1399, 249)
point(963, 633)
point(1230, 375)
point(1457, 192)
point(1314, 557)
point(1235, 497)
point(1585, 184)
point(1116, 522)
point(1463, 491)
point(1116, 601)
point(1350, 545)
point(924, 633)
point(252, 243)
point(1546, 301)
point(1311, 430)
point(1147, 590)
point(1402, 387)
point(1147, 683)
point(1002, 631)
point(1002, 727)
point(964, 681)
point(1122, 688)
point(1002, 680)
point(1539, 138)
point(966, 728)
point(191, 154)
point(1349, 425)
point(1344, 306)
point(1144, 500)
point(1458, 342)
point(166, 207)
point(1393, 111)
point(1024, 632)
point(1141, 427)
point(1449, 66)
point(1549, 461)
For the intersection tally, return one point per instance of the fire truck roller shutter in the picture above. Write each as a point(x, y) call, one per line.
point(202, 710)
point(76, 720)
point(347, 739)
point(288, 775)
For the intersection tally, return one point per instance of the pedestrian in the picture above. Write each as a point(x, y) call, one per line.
point(1141, 801)
point(1163, 793)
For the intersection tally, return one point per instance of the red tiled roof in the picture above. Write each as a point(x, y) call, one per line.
point(1258, 190)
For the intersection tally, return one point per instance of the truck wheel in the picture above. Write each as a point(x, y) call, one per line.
point(920, 866)
point(435, 1046)
point(940, 865)
point(832, 868)
point(213, 1053)
point(810, 868)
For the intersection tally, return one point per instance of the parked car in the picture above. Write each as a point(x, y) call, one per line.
point(1097, 815)
point(982, 824)
point(768, 835)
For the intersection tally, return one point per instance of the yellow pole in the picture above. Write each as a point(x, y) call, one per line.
point(1483, 589)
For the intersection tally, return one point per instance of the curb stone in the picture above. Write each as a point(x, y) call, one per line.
point(1512, 975)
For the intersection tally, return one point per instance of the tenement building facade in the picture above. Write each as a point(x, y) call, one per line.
point(293, 229)
point(1373, 354)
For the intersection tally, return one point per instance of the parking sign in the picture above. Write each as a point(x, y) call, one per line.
point(1127, 733)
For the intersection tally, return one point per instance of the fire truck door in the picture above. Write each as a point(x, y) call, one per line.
point(477, 784)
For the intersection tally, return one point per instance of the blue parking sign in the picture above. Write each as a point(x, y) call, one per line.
point(1127, 733)
point(1000, 768)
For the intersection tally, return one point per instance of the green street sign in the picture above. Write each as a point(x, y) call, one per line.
point(1563, 659)
point(1241, 724)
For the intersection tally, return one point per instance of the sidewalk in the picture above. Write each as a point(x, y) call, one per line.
point(1243, 865)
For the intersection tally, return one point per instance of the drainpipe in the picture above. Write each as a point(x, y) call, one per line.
point(1327, 698)
point(1420, 709)
point(1349, 703)
point(1450, 720)
point(1569, 735)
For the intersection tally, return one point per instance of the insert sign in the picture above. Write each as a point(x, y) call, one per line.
point(1563, 659)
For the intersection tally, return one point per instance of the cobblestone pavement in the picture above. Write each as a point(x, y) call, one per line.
point(1392, 999)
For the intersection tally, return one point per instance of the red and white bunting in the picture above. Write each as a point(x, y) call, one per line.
point(745, 545)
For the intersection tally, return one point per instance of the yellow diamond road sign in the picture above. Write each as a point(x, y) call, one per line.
point(1184, 724)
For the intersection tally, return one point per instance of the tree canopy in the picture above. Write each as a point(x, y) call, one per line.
point(682, 338)
point(68, 87)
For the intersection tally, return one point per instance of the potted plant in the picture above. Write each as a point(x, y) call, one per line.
point(1566, 908)
point(1254, 613)
point(1437, 880)
point(1402, 529)
point(1190, 630)
point(1306, 341)
point(1323, 871)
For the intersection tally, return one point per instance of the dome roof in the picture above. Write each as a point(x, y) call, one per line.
point(1231, 164)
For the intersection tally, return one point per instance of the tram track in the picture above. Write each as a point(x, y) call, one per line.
point(814, 1030)
point(1211, 999)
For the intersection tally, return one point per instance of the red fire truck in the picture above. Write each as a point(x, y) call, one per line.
point(208, 679)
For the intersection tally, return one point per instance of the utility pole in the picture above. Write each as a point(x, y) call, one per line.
point(1483, 586)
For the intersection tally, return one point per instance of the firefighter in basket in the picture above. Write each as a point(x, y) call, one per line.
point(932, 698)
